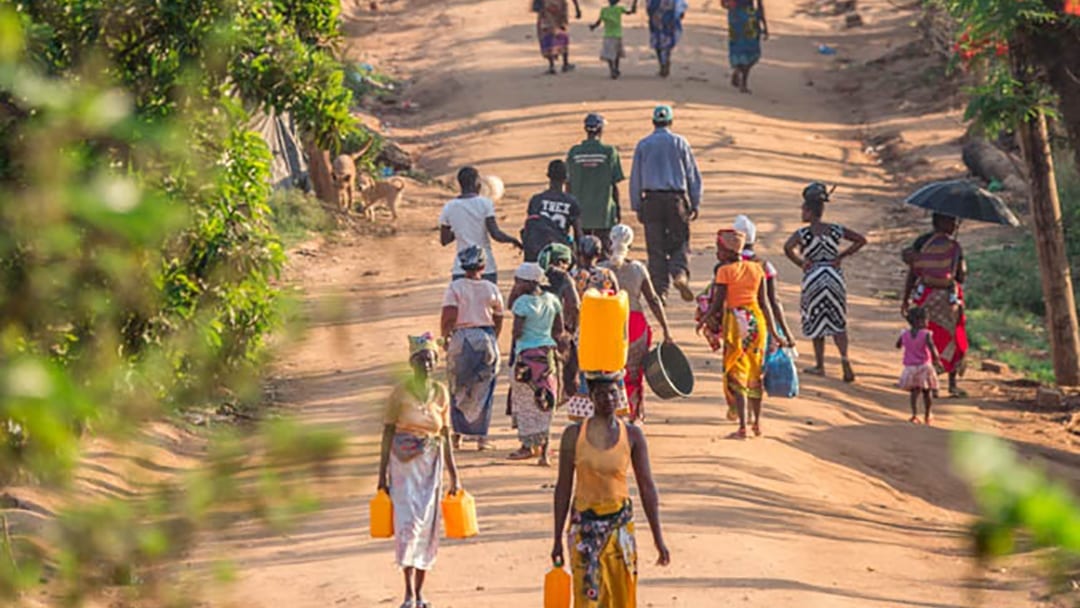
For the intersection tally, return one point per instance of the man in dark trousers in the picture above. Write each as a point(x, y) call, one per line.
point(552, 215)
point(595, 173)
point(665, 192)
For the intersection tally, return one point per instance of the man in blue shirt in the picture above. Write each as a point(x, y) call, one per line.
point(665, 192)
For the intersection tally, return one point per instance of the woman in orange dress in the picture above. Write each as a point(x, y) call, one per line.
point(739, 290)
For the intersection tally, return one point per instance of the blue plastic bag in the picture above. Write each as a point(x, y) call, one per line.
point(781, 377)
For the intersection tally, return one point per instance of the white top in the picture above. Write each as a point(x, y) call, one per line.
point(467, 218)
point(478, 302)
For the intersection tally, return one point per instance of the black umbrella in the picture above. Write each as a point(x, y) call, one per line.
point(963, 199)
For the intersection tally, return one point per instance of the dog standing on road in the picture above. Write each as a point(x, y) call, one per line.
point(343, 174)
point(383, 193)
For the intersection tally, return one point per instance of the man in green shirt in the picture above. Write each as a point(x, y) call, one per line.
point(595, 173)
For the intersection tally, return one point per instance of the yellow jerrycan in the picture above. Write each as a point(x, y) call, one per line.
point(557, 587)
point(459, 515)
point(603, 342)
point(382, 515)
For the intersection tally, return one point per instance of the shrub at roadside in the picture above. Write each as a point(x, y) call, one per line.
point(138, 255)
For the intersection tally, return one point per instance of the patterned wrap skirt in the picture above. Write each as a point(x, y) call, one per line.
point(416, 472)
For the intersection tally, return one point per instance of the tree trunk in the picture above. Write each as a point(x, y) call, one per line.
point(1056, 48)
point(1061, 321)
point(319, 168)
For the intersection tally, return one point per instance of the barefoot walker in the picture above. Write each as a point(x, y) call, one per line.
point(611, 17)
point(739, 291)
point(824, 295)
point(553, 31)
point(919, 375)
point(534, 380)
point(594, 457)
point(472, 319)
point(415, 448)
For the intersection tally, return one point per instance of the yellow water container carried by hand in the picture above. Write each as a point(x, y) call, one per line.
point(459, 515)
point(604, 339)
point(557, 588)
point(382, 515)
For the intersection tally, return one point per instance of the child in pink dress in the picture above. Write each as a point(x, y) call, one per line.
point(921, 362)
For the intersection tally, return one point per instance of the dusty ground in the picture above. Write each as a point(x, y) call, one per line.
point(842, 504)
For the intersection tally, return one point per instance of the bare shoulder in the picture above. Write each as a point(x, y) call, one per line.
point(635, 434)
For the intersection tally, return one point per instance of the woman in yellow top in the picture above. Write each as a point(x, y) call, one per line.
point(739, 289)
point(415, 447)
point(603, 552)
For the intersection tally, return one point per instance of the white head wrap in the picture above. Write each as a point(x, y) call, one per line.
point(745, 226)
point(622, 236)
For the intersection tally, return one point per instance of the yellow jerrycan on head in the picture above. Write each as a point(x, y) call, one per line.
point(558, 587)
point(382, 515)
point(459, 515)
point(604, 339)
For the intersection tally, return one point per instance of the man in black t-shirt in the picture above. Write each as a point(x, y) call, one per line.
point(551, 215)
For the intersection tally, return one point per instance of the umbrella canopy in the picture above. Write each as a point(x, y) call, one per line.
point(963, 199)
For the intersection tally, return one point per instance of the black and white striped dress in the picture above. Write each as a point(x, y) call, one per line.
point(824, 295)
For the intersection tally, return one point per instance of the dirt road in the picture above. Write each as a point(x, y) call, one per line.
point(842, 504)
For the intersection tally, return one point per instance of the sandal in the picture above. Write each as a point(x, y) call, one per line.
point(739, 434)
point(849, 374)
point(407, 604)
point(929, 420)
point(914, 420)
point(484, 445)
point(756, 428)
point(814, 371)
point(957, 393)
point(568, 67)
point(521, 454)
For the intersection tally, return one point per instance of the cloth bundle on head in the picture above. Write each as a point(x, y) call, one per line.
point(604, 376)
point(747, 227)
point(622, 236)
point(730, 239)
point(472, 258)
point(553, 254)
point(418, 344)
point(531, 271)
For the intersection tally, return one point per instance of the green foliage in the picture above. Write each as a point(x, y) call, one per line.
point(1015, 499)
point(138, 259)
point(297, 215)
point(1004, 290)
point(1007, 92)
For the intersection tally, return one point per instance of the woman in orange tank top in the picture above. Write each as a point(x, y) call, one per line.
point(599, 452)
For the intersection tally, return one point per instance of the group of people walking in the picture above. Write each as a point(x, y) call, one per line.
point(747, 27)
point(574, 239)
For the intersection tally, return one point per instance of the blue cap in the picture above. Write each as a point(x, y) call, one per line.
point(663, 113)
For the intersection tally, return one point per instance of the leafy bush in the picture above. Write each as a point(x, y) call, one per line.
point(297, 215)
point(138, 256)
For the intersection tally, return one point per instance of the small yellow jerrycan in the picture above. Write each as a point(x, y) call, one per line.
point(557, 587)
point(459, 515)
point(382, 515)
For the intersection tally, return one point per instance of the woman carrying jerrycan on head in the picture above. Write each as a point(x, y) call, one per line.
point(603, 555)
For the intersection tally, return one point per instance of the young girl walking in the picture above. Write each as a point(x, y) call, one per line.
point(921, 362)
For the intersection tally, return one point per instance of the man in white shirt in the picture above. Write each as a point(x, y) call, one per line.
point(470, 220)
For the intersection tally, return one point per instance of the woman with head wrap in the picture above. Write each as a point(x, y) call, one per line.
point(824, 294)
point(556, 260)
point(592, 490)
point(472, 319)
point(739, 293)
point(712, 327)
point(415, 448)
point(634, 279)
point(534, 383)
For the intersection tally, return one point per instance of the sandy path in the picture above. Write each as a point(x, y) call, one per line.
point(842, 504)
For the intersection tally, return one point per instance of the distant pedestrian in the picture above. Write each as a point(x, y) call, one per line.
point(921, 361)
point(595, 173)
point(611, 17)
point(746, 28)
point(824, 294)
point(554, 216)
point(665, 29)
point(665, 191)
point(469, 220)
point(553, 31)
